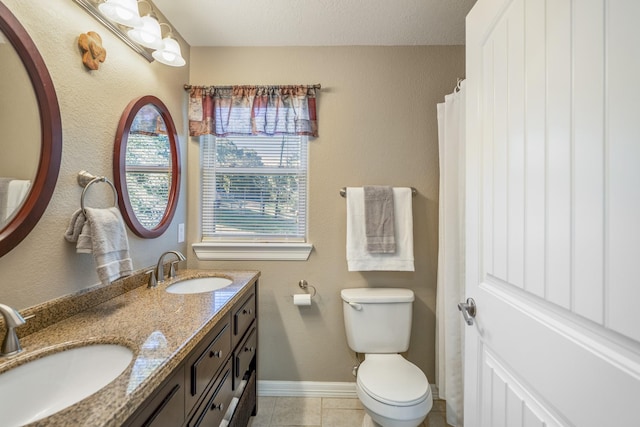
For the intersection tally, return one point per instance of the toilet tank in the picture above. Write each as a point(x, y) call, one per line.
point(377, 320)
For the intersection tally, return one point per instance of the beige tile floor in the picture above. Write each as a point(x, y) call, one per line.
point(323, 412)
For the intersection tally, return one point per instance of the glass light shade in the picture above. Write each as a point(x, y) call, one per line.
point(148, 34)
point(123, 12)
point(170, 53)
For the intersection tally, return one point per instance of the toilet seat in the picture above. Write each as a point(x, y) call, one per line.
point(392, 380)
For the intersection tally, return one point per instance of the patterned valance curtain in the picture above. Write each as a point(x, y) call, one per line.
point(252, 110)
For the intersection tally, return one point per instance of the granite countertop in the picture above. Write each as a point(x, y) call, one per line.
point(160, 328)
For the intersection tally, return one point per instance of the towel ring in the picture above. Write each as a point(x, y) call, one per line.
point(85, 179)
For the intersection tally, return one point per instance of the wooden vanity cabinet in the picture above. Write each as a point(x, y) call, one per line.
point(244, 313)
point(213, 408)
point(165, 408)
point(227, 385)
point(245, 358)
point(244, 354)
point(205, 361)
point(220, 368)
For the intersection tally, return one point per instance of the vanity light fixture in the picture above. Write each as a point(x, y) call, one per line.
point(142, 34)
point(169, 53)
point(148, 33)
point(123, 12)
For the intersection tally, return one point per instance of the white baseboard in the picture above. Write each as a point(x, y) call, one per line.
point(306, 389)
point(313, 389)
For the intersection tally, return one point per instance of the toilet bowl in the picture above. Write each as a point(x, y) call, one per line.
point(393, 391)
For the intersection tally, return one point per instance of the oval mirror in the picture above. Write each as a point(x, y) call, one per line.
point(146, 166)
point(31, 133)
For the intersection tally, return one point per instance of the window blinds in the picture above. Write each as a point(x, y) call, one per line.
point(254, 188)
point(148, 171)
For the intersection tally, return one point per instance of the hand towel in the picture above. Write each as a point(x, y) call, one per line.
point(102, 233)
point(79, 232)
point(110, 243)
point(379, 219)
point(358, 258)
point(74, 229)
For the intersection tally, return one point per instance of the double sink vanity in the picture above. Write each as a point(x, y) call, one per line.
point(183, 353)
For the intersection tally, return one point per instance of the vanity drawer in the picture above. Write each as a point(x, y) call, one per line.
point(244, 354)
point(243, 316)
point(166, 407)
point(213, 408)
point(202, 367)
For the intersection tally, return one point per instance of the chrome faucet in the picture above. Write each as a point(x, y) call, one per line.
point(12, 319)
point(157, 276)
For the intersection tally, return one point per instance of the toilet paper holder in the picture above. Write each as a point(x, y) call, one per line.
point(303, 284)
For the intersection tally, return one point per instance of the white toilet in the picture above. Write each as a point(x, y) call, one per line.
point(393, 391)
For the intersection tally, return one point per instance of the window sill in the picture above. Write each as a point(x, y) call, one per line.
point(208, 251)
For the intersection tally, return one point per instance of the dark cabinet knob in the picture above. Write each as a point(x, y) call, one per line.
point(217, 407)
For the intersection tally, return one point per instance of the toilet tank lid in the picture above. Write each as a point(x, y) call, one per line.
point(377, 295)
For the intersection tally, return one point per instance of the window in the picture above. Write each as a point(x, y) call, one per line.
point(148, 176)
point(254, 191)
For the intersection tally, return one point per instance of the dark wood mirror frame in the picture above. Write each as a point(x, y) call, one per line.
point(50, 128)
point(119, 167)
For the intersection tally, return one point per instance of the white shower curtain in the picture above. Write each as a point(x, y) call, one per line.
point(450, 288)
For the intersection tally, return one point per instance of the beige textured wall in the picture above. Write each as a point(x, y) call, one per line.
point(44, 265)
point(377, 120)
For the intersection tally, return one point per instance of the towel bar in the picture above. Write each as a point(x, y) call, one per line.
point(85, 179)
point(343, 192)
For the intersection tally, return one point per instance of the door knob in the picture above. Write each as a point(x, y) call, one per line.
point(468, 310)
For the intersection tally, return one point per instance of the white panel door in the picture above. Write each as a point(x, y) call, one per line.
point(553, 213)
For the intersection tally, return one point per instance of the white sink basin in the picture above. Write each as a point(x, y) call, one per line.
point(199, 285)
point(58, 380)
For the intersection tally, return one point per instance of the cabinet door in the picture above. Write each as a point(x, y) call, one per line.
point(243, 356)
point(166, 406)
point(206, 361)
point(215, 405)
point(243, 316)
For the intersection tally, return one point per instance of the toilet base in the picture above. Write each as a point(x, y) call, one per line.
point(370, 422)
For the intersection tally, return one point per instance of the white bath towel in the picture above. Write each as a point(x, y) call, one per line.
point(12, 194)
point(16, 193)
point(4, 187)
point(102, 233)
point(358, 258)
